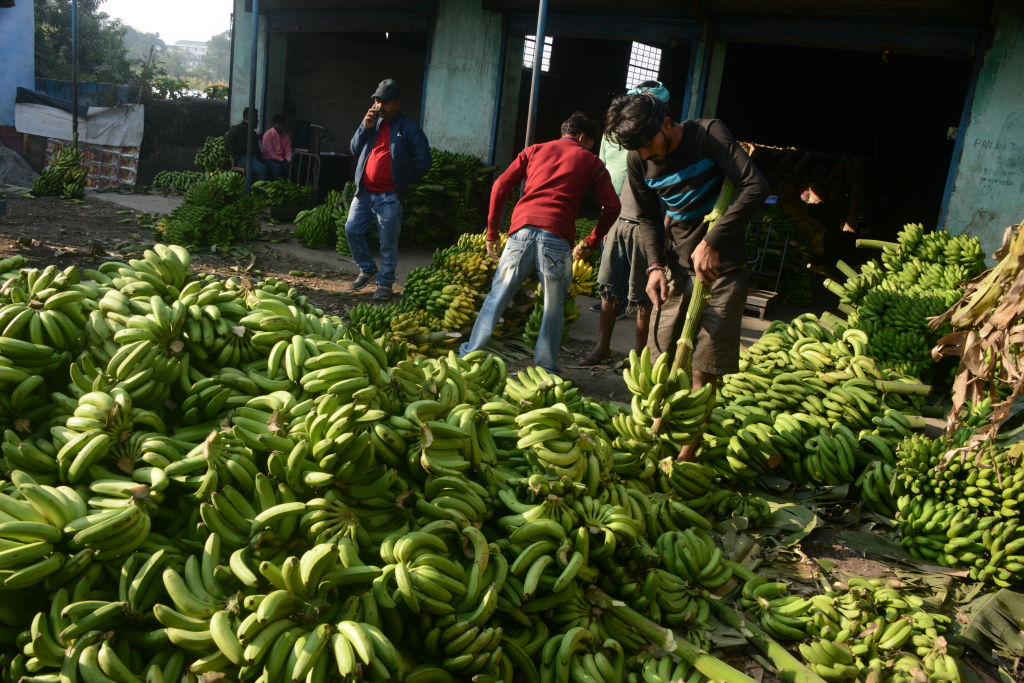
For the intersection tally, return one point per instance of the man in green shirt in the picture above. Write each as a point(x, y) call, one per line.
point(622, 275)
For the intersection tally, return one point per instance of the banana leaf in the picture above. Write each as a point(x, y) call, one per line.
point(995, 621)
point(873, 544)
point(795, 521)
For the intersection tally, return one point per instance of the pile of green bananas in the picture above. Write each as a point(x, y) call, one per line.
point(216, 211)
point(918, 277)
point(223, 482)
point(64, 177)
point(449, 200)
point(282, 192)
point(315, 227)
point(182, 181)
point(957, 502)
point(213, 156)
point(866, 629)
point(811, 402)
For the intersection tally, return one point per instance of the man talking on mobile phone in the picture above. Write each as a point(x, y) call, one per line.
point(392, 153)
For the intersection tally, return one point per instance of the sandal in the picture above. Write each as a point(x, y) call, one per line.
point(593, 358)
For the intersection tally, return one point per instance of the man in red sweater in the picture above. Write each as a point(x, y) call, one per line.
point(558, 174)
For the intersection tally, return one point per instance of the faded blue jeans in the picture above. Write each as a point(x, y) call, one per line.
point(387, 210)
point(529, 251)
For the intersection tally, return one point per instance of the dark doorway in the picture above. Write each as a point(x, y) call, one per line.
point(894, 109)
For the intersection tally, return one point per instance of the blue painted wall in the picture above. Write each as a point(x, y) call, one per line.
point(987, 192)
point(17, 56)
point(90, 93)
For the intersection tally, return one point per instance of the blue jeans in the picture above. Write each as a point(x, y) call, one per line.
point(529, 251)
point(259, 169)
point(277, 169)
point(387, 210)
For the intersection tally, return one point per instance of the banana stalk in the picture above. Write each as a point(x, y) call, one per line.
point(876, 244)
point(699, 297)
point(789, 668)
point(713, 668)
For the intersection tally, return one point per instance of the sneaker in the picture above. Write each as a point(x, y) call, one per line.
point(364, 279)
point(596, 308)
point(383, 293)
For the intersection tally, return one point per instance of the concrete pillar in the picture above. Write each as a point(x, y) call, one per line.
point(985, 189)
point(241, 46)
point(465, 60)
point(707, 64)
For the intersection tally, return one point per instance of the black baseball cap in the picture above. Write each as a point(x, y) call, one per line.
point(387, 90)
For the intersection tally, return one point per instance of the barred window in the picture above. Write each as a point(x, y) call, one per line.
point(530, 52)
point(644, 62)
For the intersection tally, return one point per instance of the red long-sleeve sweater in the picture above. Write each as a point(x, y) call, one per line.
point(558, 174)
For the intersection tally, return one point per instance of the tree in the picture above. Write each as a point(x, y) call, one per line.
point(138, 43)
point(217, 60)
point(101, 51)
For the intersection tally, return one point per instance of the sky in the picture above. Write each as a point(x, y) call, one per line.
point(177, 20)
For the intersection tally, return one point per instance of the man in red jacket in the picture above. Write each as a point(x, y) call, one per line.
point(558, 174)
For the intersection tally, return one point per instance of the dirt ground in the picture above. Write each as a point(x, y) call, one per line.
point(50, 230)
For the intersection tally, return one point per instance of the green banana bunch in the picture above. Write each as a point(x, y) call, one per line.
point(316, 226)
point(212, 155)
point(216, 211)
point(874, 483)
point(666, 413)
point(667, 670)
point(341, 217)
point(867, 625)
point(693, 556)
point(47, 307)
point(580, 655)
point(780, 613)
point(65, 175)
point(182, 181)
point(534, 387)
point(919, 277)
point(470, 266)
point(283, 192)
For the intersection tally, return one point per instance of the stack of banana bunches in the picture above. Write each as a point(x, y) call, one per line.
point(208, 479)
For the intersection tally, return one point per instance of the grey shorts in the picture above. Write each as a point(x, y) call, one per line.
point(717, 348)
point(623, 271)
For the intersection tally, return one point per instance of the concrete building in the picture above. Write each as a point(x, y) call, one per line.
point(930, 90)
point(192, 52)
point(17, 54)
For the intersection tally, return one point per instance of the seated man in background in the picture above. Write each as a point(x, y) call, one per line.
point(237, 144)
point(277, 149)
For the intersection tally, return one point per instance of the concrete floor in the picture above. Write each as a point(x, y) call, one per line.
point(584, 329)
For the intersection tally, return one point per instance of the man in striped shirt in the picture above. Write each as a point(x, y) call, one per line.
point(685, 165)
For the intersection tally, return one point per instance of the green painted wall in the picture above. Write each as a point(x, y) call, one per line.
point(988, 189)
point(465, 59)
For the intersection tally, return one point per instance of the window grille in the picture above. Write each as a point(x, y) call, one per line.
point(644, 62)
point(530, 52)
